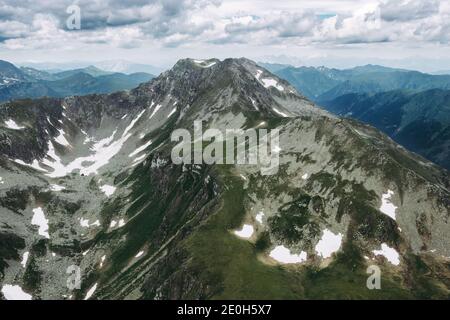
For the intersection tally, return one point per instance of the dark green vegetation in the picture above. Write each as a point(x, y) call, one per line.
point(9, 245)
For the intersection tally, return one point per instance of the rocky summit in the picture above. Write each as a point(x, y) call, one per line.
point(92, 205)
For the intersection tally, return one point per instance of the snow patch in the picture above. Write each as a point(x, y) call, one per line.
point(158, 106)
point(328, 244)
point(140, 149)
point(102, 261)
point(246, 231)
point(305, 176)
point(11, 124)
point(90, 292)
point(39, 220)
point(103, 150)
point(387, 207)
point(140, 253)
point(280, 113)
point(389, 253)
point(108, 190)
point(259, 217)
point(25, 258)
point(55, 187)
point(35, 164)
point(84, 222)
point(254, 104)
point(96, 223)
point(268, 82)
point(12, 292)
point(171, 112)
point(284, 255)
point(61, 139)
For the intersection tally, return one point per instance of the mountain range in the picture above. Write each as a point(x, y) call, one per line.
point(89, 182)
point(26, 82)
point(418, 121)
point(411, 107)
point(324, 84)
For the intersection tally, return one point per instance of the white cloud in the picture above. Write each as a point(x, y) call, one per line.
point(222, 27)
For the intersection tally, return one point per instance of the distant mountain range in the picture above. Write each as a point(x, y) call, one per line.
point(413, 108)
point(325, 84)
point(418, 121)
point(27, 82)
point(121, 66)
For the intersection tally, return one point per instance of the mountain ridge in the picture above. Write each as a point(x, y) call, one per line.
point(169, 231)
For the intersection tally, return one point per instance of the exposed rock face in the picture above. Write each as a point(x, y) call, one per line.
point(165, 231)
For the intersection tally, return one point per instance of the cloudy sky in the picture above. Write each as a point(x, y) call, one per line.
point(341, 33)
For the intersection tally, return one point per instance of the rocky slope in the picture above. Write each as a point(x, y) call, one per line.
point(89, 182)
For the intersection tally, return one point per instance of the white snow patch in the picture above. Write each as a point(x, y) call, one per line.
point(108, 190)
point(268, 82)
point(123, 117)
point(1, 180)
point(103, 151)
point(11, 124)
point(246, 231)
point(158, 106)
point(84, 222)
point(202, 64)
point(140, 149)
point(140, 253)
point(329, 244)
point(39, 220)
point(61, 139)
point(85, 252)
point(90, 292)
point(387, 207)
point(305, 176)
point(55, 187)
point(121, 223)
point(138, 159)
point(280, 113)
point(25, 258)
point(389, 253)
point(113, 223)
point(243, 177)
point(171, 112)
point(12, 292)
point(102, 260)
point(284, 255)
point(259, 217)
point(254, 104)
point(35, 164)
point(96, 223)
